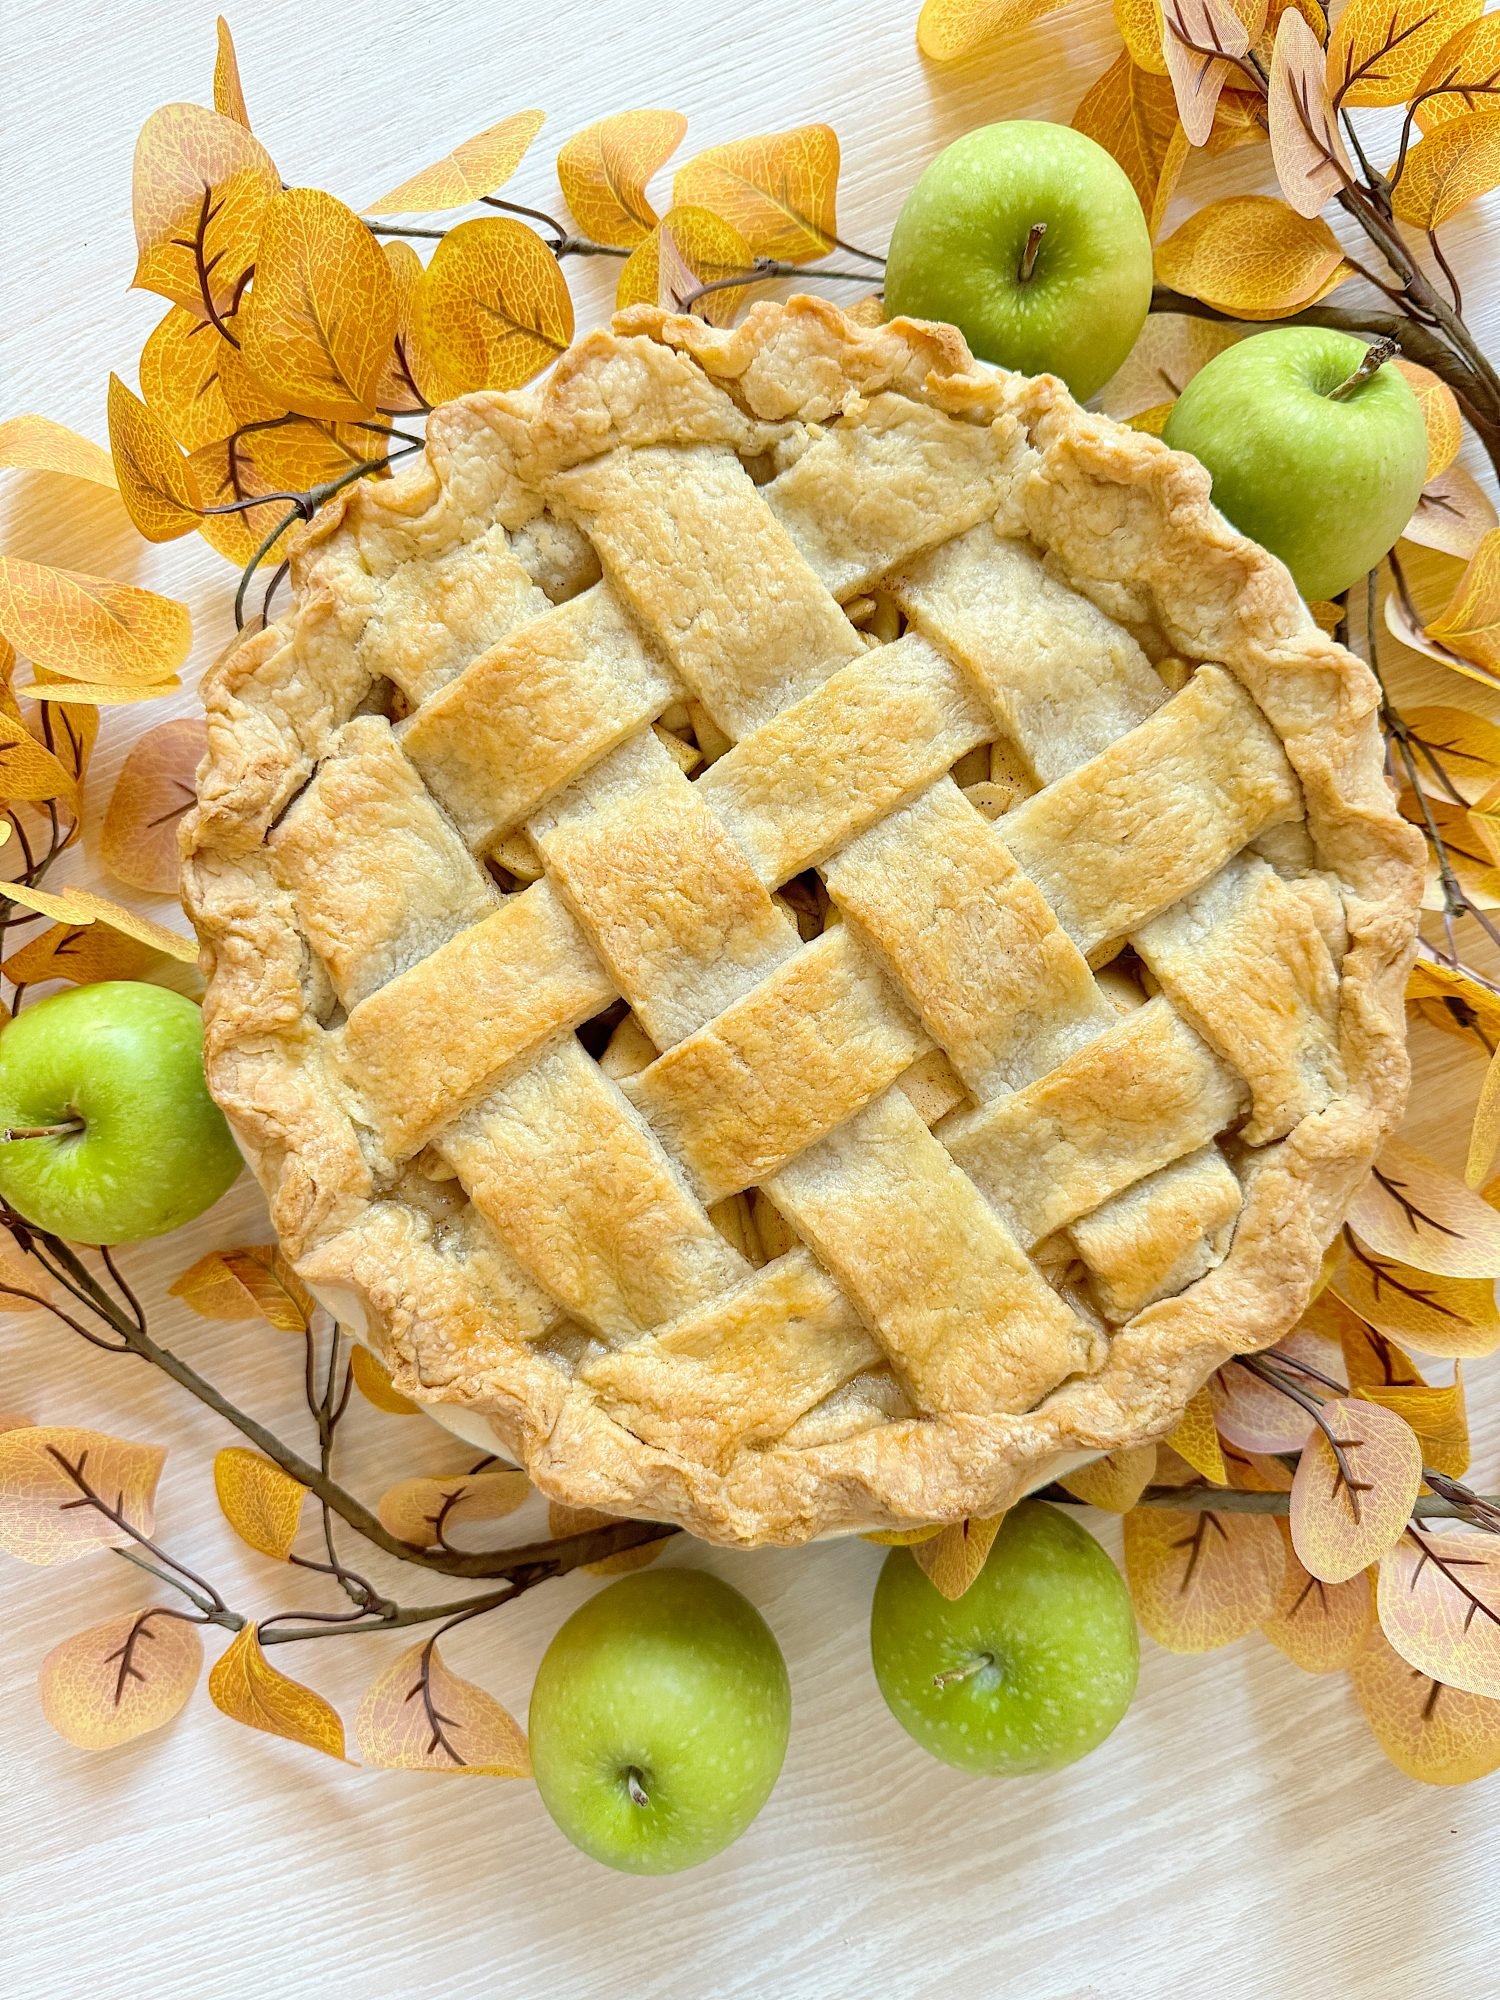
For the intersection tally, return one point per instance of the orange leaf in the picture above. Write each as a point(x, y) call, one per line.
point(1379, 49)
point(1371, 1362)
point(1447, 170)
point(707, 250)
point(1345, 1516)
point(180, 378)
point(1191, 31)
point(1133, 116)
point(120, 1679)
point(422, 1510)
point(469, 172)
point(248, 402)
point(1200, 1580)
point(244, 1685)
point(948, 29)
point(579, 1520)
point(1438, 1415)
point(1453, 515)
point(37, 444)
point(1255, 1416)
point(1320, 1626)
point(1197, 1440)
point(406, 378)
point(201, 186)
point(1440, 413)
point(43, 1475)
point(89, 627)
point(1410, 1209)
point(494, 308)
point(229, 469)
point(417, 1716)
point(157, 484)
point(1433, 1733)
point(321, 315)
point(778, 190)
point(373, 1381)
point(1252, 256)
point(1312, 163)
point(81, 954)
point(229, 97)
point(1139, 23)
point(138, 840)
point(952, 1560)
point(253, 1283)
point(604, 170)
point(28, 771)
point(1115, 1482)
point(1439, 1602)
point(1462, 76)
point(1172, 347)
point(1450, 1317)
point(260, 1502)
point(301, 453)
point(82, 906)
point(1470, 623)
point(1452, 999)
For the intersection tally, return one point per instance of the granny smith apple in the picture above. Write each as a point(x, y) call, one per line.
point(1031, 240)
point(107, 1130)
point(1031, 1668)
point(659, 1721)
point(1313, 454)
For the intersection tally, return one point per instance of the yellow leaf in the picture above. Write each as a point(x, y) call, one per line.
point(229, 97)
point(1439, 1603)
point(1462, 76)
point(1401, 624)
point(952, 1560)
point(1447, 170)
point(1484, 1133)
point(1350, 1505)
point(89, 627)
point(1252, 256)
point(27, 771)
point(1255, 1416)
point(1320, 1626)
point(1438, 1415)
point(248, 402)
point(1379, 48)
point(1449, 1317)
point(1453, 515)
point(1133, 116)
point(1201, 1580)
point(563, 1520)
point(200, 190)
point(417, 1716)
point(91, 694)
point(229, 469)
point(494, 308)
point(1153, 421)
point(1410, 1209)
point(778, 190)
point(1240, 119)
point(406, 378)
point(1467, 851)
point(1371, 1362)
point(180, 378)
point(1115, 1482)
point(1440, 413)
point(320, 318)
point(299, 454)
point(604, 169)
point(254, 1283)
point(1172, 347)
point(948, 29)
point(373, 1381)
point(421, 1511)
point(1329, 617)
point(37, 444)
point(120, 1679)
point(244, 1685)
point(1470, 623)
point(44, 1474)
point(82, 906)
point(157, 484)
point(1433, 1733)
point(1197, 1440)
point(707, 249)
point(1139, 23)
point(260, 1502)
point(901, 1538)
point(1191, 31)
point(1454, 1000)
point(1312, 163)
point(81, 954)
point(469, 172)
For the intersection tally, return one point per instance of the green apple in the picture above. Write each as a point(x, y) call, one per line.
point(1314, 455)
point(659, 1721)
point(107, 1130)
point(1031, 1668)
point(1030, 238)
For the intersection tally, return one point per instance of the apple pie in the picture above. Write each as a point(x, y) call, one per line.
point(799, 925)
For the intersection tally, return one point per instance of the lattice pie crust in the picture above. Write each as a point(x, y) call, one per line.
point(767, 1200)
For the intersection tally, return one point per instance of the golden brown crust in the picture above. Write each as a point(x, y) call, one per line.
point(1125, 523)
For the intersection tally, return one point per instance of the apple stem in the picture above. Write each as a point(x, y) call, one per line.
point(633, 1785)
point(1029, 255)
point(64, 1129)
point(970, 1667)
point(1376, 356)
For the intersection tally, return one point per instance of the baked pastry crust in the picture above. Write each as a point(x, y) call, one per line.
point(1012, 1207)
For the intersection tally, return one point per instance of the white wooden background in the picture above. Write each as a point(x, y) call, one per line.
point(1239, 1836)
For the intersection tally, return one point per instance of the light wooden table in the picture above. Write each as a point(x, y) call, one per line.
point(1239, 1836)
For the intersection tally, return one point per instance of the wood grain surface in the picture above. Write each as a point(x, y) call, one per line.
point(1240, 1836)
